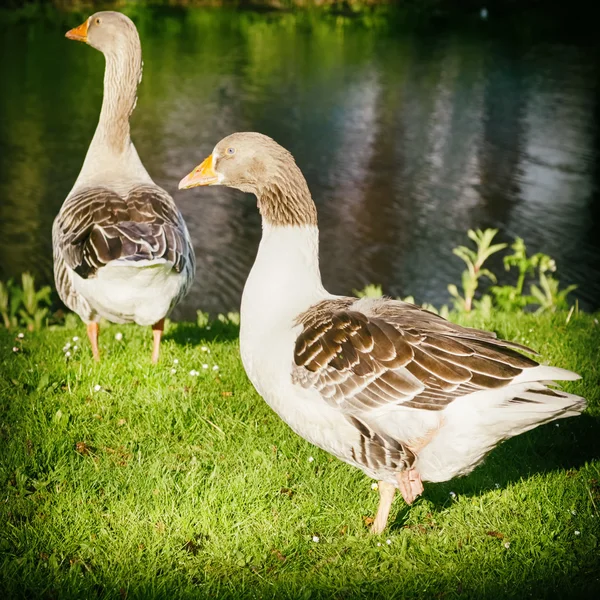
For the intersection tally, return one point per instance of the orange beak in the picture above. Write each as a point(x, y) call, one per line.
point(79, 34)
point(203, 174)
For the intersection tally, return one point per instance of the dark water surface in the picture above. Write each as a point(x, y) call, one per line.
point(406, 140)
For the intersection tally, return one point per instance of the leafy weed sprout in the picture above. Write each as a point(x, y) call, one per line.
point(23, 305)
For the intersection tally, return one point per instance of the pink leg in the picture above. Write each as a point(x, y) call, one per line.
point(410, 484)
point(157, 331)
point(93, 329)
point(386, 496)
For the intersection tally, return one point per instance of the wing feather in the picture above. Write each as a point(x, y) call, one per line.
point(362, 356)
point(97, 225)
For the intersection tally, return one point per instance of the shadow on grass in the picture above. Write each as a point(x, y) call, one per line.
point(191, 334)
point(567, 444)
point(239, 584)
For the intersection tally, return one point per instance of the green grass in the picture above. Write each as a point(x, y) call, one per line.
point(174, 486)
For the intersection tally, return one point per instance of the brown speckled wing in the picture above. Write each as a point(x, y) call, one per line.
point(97, 226)
point(378, 451)
point(364, 355)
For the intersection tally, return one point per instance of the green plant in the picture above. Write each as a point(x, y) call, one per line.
point(474, 260)
point(511, 297)
point(229, 318)
point(548, 295)
point(369, 291)
point(24, 305)
point(36, 303)
point(9, 303)
point(202, 318)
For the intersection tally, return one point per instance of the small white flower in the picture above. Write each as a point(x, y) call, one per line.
point(507, 545)
point(97, 388)
point(173, 371)
point(15, 349)
point(573, 513)
point(310, 459)
point(558, 424)
point(75, 338)
point(67, 346)
point(193, 372)
point(452, 495)
point(75, 348)
point(205, 366)
point(215, 367)
point(68, 354)
point(204, 348)
point(208, 327)
point(118, 336)
point(577, 532)
point(374, 486)
point(497, 486)
point(316, 539)
point(388, 542)
point(378, 544)
point(175, 361)
point(20, 335)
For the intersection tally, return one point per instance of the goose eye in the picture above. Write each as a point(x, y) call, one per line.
point(230, 151)
point(97, 21)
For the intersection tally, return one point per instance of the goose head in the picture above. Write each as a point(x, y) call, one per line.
point(254, 163)
point(246, 161)
point(106, 31)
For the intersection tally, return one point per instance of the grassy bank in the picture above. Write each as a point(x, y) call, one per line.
point(124, 480)
point(340, 5)
point(398, 10)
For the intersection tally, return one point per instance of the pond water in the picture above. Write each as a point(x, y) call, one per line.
point(407, 139)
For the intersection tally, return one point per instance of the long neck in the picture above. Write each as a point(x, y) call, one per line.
point(111, 158)
point(285, 279)
point(121, 78)
point(285, 199)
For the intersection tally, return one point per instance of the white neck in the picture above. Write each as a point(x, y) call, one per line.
point(112, 159)
point(285, 279)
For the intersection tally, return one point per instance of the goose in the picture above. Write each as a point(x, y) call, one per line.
point(386, 386)
point(121, 248)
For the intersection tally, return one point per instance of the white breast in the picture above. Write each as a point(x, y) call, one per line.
point(284, 282)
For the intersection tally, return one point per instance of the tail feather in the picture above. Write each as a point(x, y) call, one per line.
point(519, 406)
point(547, 403)
point(545, 373)
point(475, 423)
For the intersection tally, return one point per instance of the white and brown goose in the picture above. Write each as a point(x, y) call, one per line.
point(121, 247)
point(392, 389)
